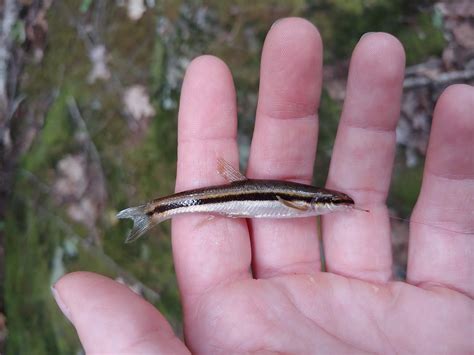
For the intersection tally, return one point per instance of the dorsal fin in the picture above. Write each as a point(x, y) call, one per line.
point(228, 172)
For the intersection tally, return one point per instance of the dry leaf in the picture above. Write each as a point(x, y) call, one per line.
point(100, 71)
point(464, 35)
point(72, 180)
point(136, 9)
point(137, 102)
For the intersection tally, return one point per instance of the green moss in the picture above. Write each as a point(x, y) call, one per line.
point(36, 326)
point(329, 113)
point(421, 40)
point(154, 159)
point(65, 57)
point(35, 323)
point(342, 23)
point(54, 141)
point(130, 45)
point(405, 188)
point(156, 66)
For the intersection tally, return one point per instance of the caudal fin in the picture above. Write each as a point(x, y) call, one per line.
point(142, 222)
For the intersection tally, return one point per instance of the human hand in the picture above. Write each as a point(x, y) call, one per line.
point(256, 285)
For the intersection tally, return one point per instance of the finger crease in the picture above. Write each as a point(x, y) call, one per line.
point(206, 139)
point(373, 129)
point(310, 117)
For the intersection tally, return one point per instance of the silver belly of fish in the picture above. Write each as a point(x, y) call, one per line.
point(251, 209)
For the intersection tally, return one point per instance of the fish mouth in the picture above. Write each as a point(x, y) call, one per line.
point(342, 199)
point(345, 201)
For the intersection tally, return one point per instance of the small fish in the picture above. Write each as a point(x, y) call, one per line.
point(240, 198)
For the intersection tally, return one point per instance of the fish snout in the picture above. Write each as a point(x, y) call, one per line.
point(342, 199)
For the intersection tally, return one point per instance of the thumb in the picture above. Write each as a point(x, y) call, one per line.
point(110, 318)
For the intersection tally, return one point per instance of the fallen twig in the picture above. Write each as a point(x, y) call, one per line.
point(439, 79)
point(91, 148)
point(9, 17)
point(81, 125)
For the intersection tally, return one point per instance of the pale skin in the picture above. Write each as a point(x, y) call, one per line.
point(256, 286)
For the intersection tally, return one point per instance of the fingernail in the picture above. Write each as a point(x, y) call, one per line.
point(62, 306)
point(274, 23)
point(366, 34)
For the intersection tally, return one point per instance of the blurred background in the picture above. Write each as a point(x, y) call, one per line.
point(89, 92)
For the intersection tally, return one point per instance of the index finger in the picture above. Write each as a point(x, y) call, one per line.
point(207, 253)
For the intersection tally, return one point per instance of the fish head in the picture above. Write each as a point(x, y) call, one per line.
point(331, 200)
point(341, 199)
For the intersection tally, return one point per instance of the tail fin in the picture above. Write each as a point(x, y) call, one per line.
point(142, 222)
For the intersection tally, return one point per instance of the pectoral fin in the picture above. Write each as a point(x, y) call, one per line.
point(300, 206)
point(228, 172)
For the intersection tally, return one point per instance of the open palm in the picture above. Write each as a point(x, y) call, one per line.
point(256, 286)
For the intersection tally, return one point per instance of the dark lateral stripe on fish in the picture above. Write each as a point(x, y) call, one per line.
point(242, 196)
